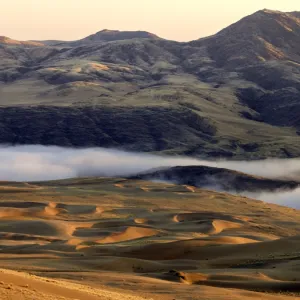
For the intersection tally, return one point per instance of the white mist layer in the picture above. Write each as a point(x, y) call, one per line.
point(38, 163)
point(285, 198)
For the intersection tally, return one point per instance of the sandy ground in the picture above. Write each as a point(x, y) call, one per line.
point(124, 239)
point(17, 285)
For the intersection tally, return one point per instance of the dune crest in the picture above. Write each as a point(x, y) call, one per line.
point(130, 233)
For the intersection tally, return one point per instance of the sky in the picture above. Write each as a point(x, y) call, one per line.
point(181, 20)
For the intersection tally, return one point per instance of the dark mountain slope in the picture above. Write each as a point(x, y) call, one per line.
point(154, 129)
point(229, 95)
point(217, 178)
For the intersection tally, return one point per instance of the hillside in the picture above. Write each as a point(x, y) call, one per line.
point(217, 179)
point(110, 238)
point(103, 36)
point(107, 35)
point(264, 36)
point(234, 94)
point(10, 42)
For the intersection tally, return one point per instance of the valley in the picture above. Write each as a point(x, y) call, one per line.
point(140, 168)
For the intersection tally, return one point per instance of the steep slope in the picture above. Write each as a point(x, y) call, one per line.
point(263, 36)
point(264, 49)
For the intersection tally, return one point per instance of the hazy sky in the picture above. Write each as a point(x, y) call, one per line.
point(181, 20)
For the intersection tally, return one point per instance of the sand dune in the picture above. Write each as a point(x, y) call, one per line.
point(130, 233)
point(92, 239)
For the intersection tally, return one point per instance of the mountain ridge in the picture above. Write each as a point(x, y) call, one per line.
point(219, 179)
point(8, 41)
point(108, 34)
point(262, 36)
point(242, 84)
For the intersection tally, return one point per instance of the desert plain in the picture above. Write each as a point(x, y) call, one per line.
point(110, 238)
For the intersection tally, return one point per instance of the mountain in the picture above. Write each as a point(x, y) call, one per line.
point(105, 35)
point(217, 178)
point(235, 94)
point(295, 14)
point(263, 36)
point(10, 42)
point(264, 49)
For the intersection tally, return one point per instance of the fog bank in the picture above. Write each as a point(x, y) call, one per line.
point(31, 163)
point(285, 198)
point(38, 163)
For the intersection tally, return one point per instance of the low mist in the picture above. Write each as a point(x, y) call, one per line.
point(39, 163)
point(286, 198)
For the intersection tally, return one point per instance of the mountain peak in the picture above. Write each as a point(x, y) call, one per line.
point(10, 42)
point(4, 39)
point(277, 12)
point(265, 20)
point(269, 11)
point(108, 31)
point(107, 35)
point(262, 36)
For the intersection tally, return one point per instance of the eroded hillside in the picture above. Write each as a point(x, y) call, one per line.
point(234, 94)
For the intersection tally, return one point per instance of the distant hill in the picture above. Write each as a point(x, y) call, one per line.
point(8, 41)
point(217, 178)
point(235, 94)
point(105, 35)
